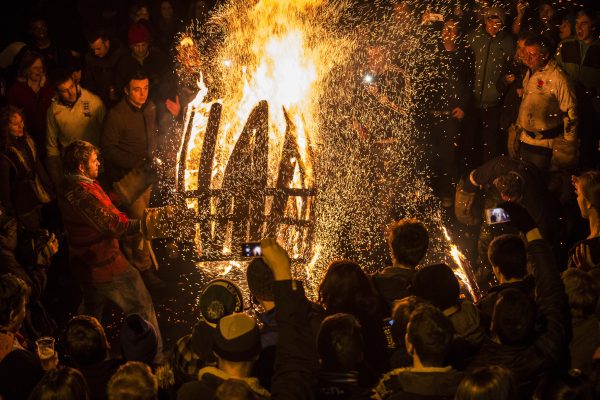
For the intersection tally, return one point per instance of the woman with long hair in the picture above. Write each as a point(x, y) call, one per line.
point(24, 184)
point(33, 93)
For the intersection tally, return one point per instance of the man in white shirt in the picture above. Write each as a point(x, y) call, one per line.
point(75, 114)
point(547, 115)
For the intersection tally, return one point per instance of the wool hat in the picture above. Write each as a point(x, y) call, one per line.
point(138, 339)
point(437, 284)
point(260, 280)
point(138, 33)
point(237, 338)
point(220, 297)
point(496, 12)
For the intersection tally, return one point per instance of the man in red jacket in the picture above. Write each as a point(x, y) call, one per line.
point(94, 225)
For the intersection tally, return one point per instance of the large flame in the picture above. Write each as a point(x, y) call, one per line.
point(276, 51)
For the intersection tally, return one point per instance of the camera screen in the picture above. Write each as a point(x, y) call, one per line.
point(252, 249)
point(496, 215)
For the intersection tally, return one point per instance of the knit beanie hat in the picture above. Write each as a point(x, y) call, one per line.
point(137, 33)
point(138, 339)
point(260, 280)
point(437, 284)
point(237, 338)
point(219, 298)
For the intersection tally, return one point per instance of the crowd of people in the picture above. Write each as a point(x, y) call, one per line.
point(513, 125)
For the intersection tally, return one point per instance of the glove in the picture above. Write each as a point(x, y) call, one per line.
point(519, 217)
point(134, 184)
point(159, 222)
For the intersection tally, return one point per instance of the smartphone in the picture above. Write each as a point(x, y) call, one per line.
point(251, 249)
point(496, 216)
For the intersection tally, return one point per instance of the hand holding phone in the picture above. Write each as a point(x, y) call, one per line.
point(496, 216)
point(251, 249)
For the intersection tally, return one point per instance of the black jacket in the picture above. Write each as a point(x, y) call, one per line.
point(529, 362)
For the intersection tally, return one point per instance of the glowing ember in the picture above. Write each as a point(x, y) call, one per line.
point(462, 268)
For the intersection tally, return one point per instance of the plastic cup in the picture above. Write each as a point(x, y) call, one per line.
point(45, 347)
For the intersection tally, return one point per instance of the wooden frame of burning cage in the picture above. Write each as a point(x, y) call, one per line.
point(243, 206)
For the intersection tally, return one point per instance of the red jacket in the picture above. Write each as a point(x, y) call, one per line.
point(93, 224)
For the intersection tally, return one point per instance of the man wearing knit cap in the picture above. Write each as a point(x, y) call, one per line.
point(236, 345)
point(142, 56)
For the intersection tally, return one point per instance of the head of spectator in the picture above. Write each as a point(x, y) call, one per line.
point(31, 68)
point(137, 88)
point(520, 51)
point(220, 297)
point(133, 381)
point(451, 31)
point(408, 241)
point(537, 52)
point(510, 187)
point(138, 339)
point(64, 85)
point(14, 297)
point(582, 292)
point(508, 257)
point(260, 283)
point(138, 38)
point(12, 125)
point(62, 383)
point(567, 25)
point(438, 285)
point(513, 319)
point(428, 337)
point(401, 313)
point(494, 20)
point(140, 11)
point(38, 29)
point(586, 25)
point(546, 11)
point(234, 389)
point(492, 382)
point(340, 343)
point(346, 288)
point(99, 42)
point(166, 10)
point(236, 344)
point(86, 341)
point(587, 189)
point(563, 386)
point(81, 158)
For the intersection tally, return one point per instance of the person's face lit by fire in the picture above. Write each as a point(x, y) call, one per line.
point(36, 71)
point(67, 91)
point(584, 28)
point(450, 32)
point(137, 92)
point(90, 168)
point(493, 25)
point(100, 47)
point(565, 29)
point(535, 57)
point(140, 50)
point(545, 12)
point(16, 125)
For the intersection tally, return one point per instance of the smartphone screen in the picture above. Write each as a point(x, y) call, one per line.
point(496, 216)
point(251, 249)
